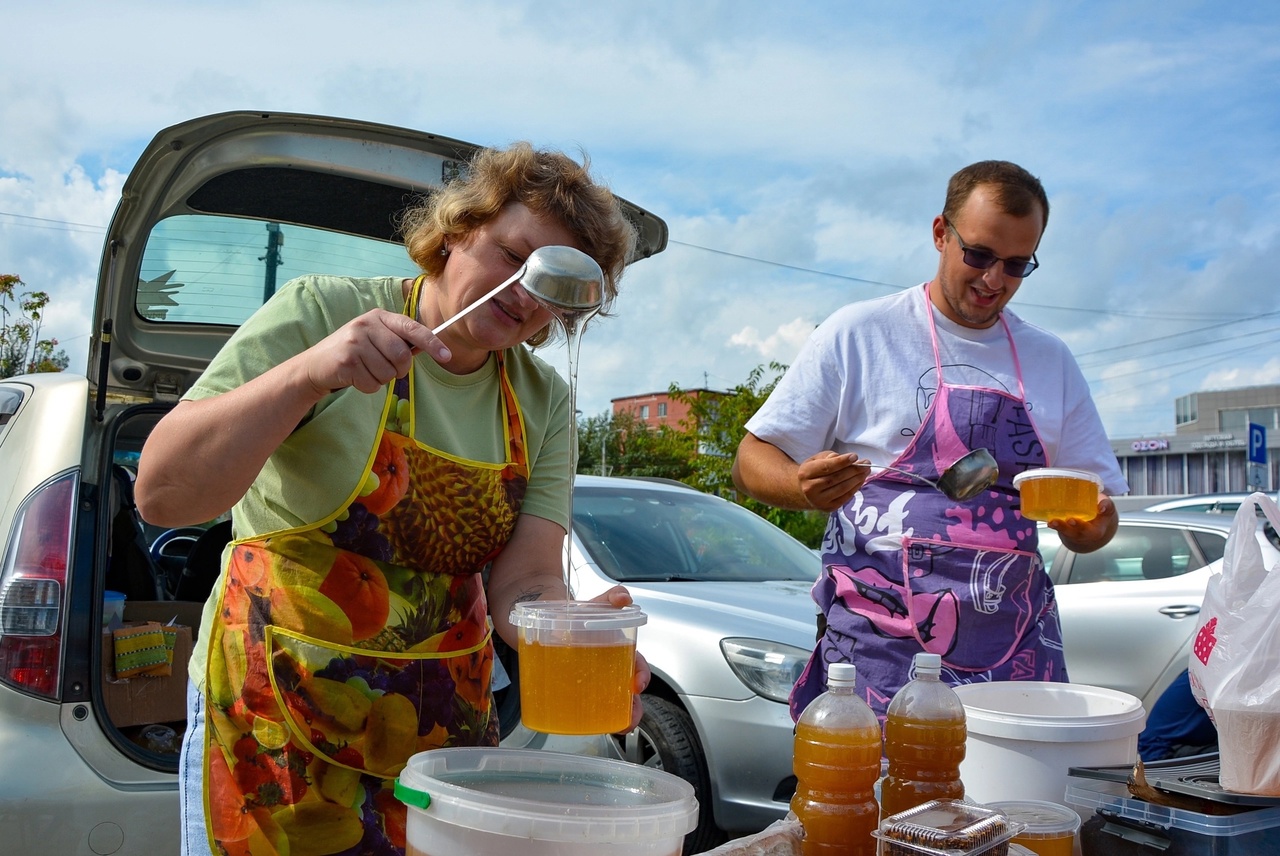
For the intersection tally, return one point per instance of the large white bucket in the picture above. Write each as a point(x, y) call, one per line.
point(1024, 735)
point(517, 802)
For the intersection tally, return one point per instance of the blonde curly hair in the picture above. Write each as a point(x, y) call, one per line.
point(548, 183)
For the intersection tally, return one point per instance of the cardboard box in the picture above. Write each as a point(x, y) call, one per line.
point(147, 699)
point(184, 612)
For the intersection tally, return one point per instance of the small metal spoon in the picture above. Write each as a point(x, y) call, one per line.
point(963, 480)
point(565, 280)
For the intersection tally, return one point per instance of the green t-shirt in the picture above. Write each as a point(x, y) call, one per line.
point(320, 463)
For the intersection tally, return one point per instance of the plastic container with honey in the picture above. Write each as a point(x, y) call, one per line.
point(836, 762)
point(925, 737)
point(577, 662)
point(1049, 828)
point(1057, 494)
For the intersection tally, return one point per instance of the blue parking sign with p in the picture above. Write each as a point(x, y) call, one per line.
point(1257, 443)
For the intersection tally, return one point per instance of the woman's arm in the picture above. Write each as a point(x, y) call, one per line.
point(203, 455)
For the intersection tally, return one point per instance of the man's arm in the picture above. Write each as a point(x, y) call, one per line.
point(824, 481)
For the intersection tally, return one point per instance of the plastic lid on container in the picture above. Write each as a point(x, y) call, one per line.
point(576, 615)
point(1051, 473)
point(947, 828)
point(1113, 798)
point(547, 796)
point(1044, 711)
point(1042, 819)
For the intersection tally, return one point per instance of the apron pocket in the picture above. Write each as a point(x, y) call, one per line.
point(370, 711)
point(972, 605)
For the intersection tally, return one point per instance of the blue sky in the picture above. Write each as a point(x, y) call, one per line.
point(798, 152)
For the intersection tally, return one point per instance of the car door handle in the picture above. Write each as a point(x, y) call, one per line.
point(1180, 611)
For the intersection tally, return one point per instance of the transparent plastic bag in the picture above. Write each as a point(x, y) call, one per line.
point(1234, 666)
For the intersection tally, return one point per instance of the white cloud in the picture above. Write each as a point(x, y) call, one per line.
point(798, 155)
point(779, 346)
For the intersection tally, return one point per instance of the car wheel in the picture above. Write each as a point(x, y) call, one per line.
point(666, 740)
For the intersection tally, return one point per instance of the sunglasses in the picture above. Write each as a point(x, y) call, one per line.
point(984, 259)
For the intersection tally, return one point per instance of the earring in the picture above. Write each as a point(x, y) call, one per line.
point(444, 251)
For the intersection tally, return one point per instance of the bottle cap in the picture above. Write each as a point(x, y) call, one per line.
point(841, 674)
point(927, 663)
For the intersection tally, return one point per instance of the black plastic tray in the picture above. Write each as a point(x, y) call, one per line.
point(1194, 775)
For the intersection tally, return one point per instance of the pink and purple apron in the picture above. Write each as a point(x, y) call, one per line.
point(905, 569)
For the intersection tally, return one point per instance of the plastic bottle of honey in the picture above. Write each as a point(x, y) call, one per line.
point(924, 741)
point(837, 762)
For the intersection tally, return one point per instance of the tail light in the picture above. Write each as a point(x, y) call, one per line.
point(33, 582)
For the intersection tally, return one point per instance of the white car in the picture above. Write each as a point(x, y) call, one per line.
point(1129, 609)
point(1207, 503)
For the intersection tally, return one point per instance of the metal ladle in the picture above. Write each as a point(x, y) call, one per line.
point(963, 480)
point(564, 280)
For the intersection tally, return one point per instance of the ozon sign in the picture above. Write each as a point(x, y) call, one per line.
point(1150, 445)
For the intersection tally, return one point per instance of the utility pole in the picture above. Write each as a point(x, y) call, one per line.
point(604, 436)
point(275, 240)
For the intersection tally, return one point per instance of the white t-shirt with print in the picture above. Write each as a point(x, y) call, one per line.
point(865, 378)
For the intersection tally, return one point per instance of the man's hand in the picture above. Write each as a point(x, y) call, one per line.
point(824, 481)
point(829, 480)
point(1085, 536)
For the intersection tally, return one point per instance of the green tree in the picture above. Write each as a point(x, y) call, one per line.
point(22, 350)
point(622, 445)
point(715, 425)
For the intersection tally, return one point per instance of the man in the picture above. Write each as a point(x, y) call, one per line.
point(914, 381)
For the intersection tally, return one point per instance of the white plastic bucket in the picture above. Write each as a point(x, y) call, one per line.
point(500, 802)
point(1025, 735)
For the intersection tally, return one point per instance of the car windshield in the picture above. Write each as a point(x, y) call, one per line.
point(647, 535)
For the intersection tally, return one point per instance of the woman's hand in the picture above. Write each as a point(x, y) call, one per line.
point(619, 597)
point(368, 352)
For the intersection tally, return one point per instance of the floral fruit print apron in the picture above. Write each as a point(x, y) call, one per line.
point(346, 646)
point(905, 569)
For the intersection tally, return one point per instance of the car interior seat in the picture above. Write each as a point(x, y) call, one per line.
point(204, 563)
point(130, 569)
point(1157, 562)
point(1094, 568)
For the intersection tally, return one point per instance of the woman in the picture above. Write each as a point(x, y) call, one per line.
point(375, 471)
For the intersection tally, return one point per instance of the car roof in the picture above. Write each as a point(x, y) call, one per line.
point(340, 175)
point(1203, 499)
point(1181, 519)
point(1173, 519)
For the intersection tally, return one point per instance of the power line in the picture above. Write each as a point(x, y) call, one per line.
point(59, 224)
point(1022, 303)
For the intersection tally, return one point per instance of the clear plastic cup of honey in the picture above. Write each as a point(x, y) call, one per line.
point(1058, 494)
point(1050, 828)
point(577, 663)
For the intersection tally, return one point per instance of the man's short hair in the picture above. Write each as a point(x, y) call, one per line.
point(1017, 191)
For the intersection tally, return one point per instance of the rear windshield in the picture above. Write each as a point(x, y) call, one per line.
point(207, 269)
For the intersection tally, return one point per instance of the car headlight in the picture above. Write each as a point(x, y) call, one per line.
point(768, 669)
